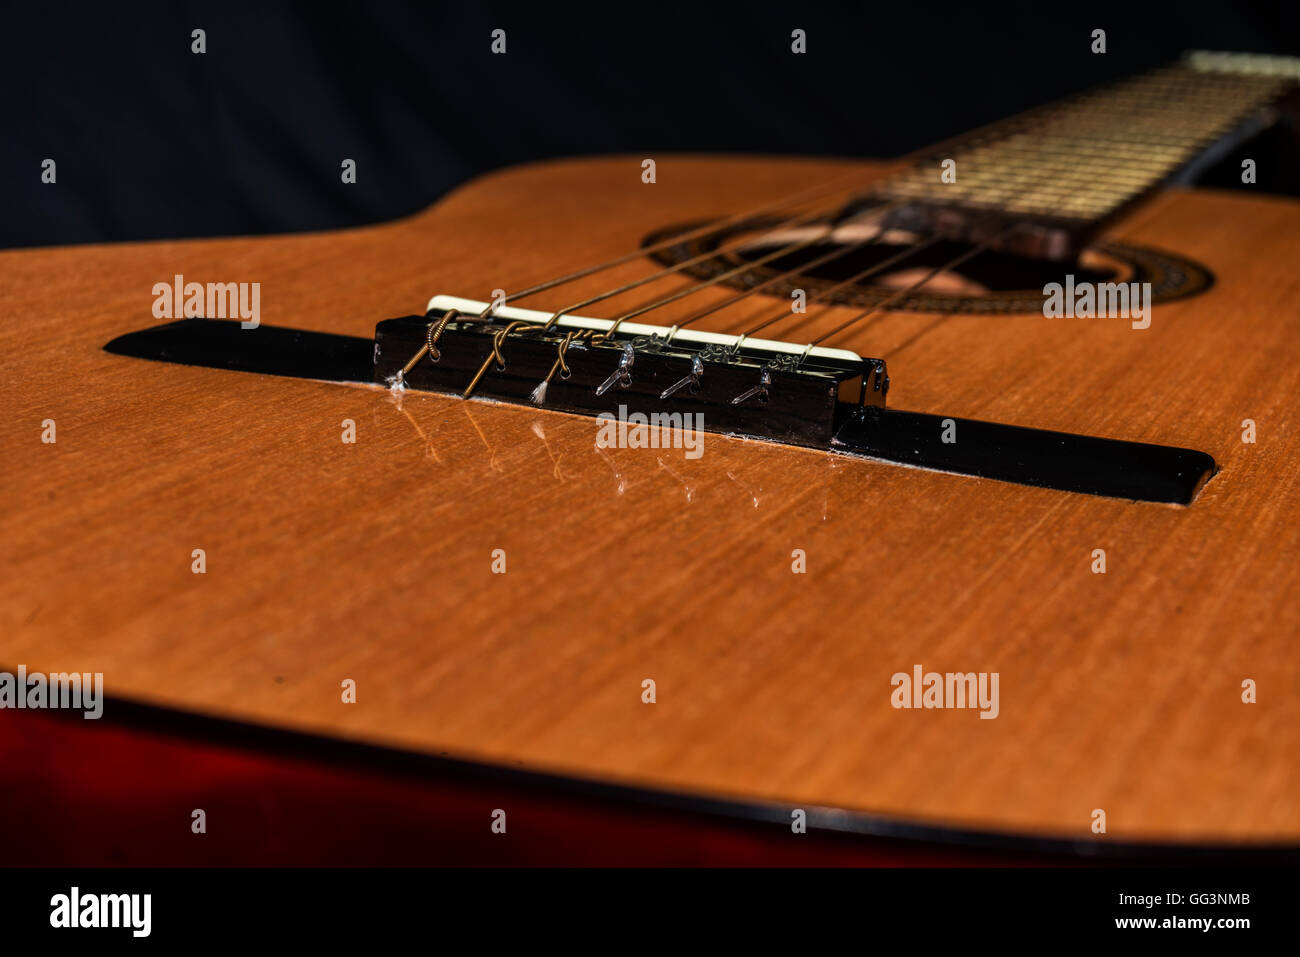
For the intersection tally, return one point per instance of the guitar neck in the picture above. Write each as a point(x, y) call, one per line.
point(1045, 182)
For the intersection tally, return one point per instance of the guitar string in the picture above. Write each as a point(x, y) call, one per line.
point(837, 253)
point(641, 310)
point(622, 376)
point(806, 219)
point(703, 230)
point(709, 283)
point(907, 161)
point(944, 267)
point(920, 334)
point(1004, 126)
point(823, 294)
point(1039, 192)
point(437, 328)
point(857, 277)
point(1023, 120)
point(910, 249)
point(967, 255)
point(875, 237)
point(964, 257)
point(495, 356)
point(1060, 190)
point(987, 202)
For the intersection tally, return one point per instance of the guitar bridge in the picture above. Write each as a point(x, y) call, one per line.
point(780, 391)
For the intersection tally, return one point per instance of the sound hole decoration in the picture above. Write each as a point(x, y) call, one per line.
point(992, 282)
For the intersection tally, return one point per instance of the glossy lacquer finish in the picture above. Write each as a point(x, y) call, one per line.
point(770, 593)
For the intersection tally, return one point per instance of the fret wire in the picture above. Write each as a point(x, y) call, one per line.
point(1058, 154)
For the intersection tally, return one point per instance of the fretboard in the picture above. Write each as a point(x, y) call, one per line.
point(1054, 175)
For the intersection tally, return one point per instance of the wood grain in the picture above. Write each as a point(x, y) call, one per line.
point(372, 561)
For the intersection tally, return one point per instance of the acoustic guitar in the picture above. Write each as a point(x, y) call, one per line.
point(948, 501)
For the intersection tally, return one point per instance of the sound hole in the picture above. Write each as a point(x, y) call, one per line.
point(990, 282)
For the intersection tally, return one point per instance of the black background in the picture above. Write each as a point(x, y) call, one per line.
point(152, 140)
point(762, 910)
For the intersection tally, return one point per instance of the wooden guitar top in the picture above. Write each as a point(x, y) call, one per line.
point(373, 561)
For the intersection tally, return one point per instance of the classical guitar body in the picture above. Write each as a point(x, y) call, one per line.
point(745, 626)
